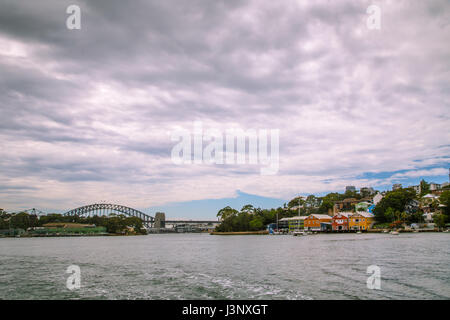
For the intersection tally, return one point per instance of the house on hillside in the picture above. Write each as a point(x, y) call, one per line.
point(345, 205)
point(362, 206)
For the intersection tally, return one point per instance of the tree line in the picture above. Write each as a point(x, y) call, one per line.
point(113, 223)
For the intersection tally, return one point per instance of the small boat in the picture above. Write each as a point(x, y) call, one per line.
point(395, 232)
point(359, 232)
point(298, 233)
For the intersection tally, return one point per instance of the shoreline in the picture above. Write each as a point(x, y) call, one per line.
point(239, 233)
point(235, 233)
point(73, 235)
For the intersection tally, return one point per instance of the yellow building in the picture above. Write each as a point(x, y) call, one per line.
point(360, 221)
point(293, 223)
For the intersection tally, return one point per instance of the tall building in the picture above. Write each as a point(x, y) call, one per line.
point(350, 188)
point(367, 190)
point(435, 186)
point(417, 188)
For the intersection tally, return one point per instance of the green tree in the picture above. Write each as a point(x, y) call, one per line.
point(226, 212)
point(256, 224)
point(297, 201)
point(325, 206)
point(397, 200)
point(389, 215)
point(136, 224)
point(228, 218)
point(416, 217)
point(4, 222)
point(445, 200)
point(424, 188)
point(248, 208)
point(115, 224)
point(439, 220)
point(23, 220)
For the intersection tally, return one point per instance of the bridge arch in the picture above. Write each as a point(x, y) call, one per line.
point(106, 208)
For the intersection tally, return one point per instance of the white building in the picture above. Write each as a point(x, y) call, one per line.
point(435, 186)
point(416, 188)
point(368, 190)
point(377, 198)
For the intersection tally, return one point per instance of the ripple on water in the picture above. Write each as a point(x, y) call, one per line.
point(193, 266)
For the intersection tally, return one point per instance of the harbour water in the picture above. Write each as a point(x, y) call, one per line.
point(202, 266)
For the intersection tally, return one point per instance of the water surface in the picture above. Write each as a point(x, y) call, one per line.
point(201, 266)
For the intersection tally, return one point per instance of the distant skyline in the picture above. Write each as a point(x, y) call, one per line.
point(87, 115)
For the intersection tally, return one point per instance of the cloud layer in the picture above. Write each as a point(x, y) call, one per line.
point(86, 115)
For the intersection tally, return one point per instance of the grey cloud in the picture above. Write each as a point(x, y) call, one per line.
point(109, 93)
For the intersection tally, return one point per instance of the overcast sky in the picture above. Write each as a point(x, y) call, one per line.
point(87, 115)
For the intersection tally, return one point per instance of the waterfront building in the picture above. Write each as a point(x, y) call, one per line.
point(360, 221)
point(339, 222)
point(296, 223)
point(317, 222)
point(293, 223)
point(283, 224)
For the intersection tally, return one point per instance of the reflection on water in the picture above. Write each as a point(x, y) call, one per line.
point(201, 266)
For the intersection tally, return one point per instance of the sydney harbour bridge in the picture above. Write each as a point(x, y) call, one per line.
point(105, 209)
